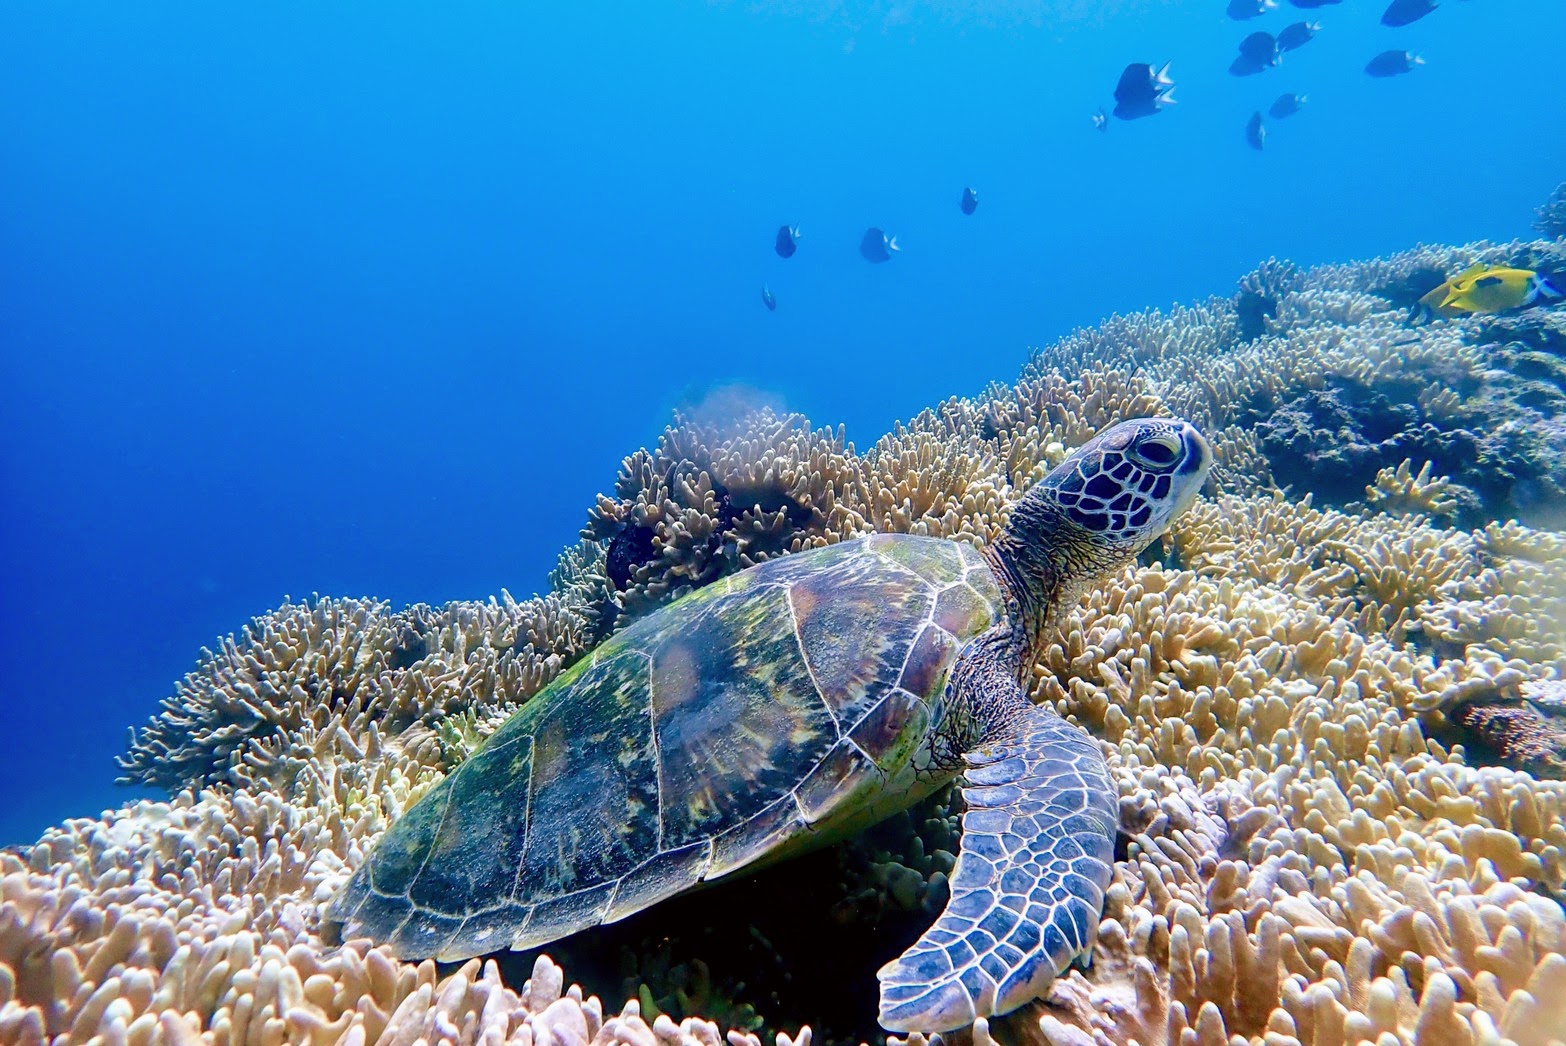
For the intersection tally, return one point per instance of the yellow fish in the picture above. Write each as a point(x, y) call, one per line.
point(1484, 288)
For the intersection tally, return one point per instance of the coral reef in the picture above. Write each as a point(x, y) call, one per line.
point(1405, 491)
point(1322, 380)
point(252, 712)
point(1333, 710)
point(1551, 218)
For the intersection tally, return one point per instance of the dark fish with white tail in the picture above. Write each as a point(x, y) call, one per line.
point(1255, 131)
point(1260, 46)
point(1143, 91)
point(1297, 34)
point(1406, 12)
point(970, 200)
point(1392, 63)
point(1258, 53)
point(787, 241)
point(876, 246)
point(1286, 105)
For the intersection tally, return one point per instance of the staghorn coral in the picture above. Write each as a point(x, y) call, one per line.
point(1323, 366)
point(196, 920)
point(1344, 825)
point(1316, 709)
point(354, 671)
point(1403, 490)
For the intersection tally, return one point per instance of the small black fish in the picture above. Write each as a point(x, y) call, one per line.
point(877, 246)
point(1143, 90)
point(1406, 12)
point(1286, 105)
point(1255, 133)
point(1260, 47)
point(1393, 63)
point(1240, 10)
point(1297, 35)
point(767, 299)
point(787, 242)
point(970, 200)
point(1244, 66)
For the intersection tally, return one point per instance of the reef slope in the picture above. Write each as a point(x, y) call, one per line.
point(1331, 705)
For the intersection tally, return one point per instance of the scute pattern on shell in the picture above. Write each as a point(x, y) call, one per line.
point(1310, 863)
point(752, 716)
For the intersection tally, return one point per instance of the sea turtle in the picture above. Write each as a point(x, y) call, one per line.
point(793, 703)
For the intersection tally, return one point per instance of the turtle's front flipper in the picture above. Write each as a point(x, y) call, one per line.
point(1037, 850)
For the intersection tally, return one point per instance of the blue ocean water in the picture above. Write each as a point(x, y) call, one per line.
point(303, 298)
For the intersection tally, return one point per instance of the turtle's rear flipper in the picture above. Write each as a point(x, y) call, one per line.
point(1037, 851)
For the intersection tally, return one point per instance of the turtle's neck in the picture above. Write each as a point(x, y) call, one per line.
point(1042, 570)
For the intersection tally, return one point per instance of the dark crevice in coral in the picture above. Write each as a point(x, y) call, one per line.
point(1156, 553)
point(1500, 732)
point(409, 651)
point(1406, 291)
point(631, 548)
point(989, 430)
point(733, 502)
point(608, 618)
point(1438, 647)
point(1502, 439)
point(1253, 310)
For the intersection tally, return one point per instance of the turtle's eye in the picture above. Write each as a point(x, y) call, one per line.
point(1158, 452)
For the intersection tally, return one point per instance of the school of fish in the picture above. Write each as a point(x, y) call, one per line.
point(1145, 89)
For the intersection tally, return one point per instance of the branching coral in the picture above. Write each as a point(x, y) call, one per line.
point(349, 670)
point(1322, 711)
point(196, 920)
point(1405, 491)
point(1551, 217)
point(1323, 373)
point(708, 500)
point(1366, 874)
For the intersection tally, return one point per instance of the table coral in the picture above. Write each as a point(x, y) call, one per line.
point(1321, 840)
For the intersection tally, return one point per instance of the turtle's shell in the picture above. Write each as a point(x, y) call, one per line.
point(769, 712)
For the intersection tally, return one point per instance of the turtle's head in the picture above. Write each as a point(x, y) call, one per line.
point(1096, 510)
point(1122, 488)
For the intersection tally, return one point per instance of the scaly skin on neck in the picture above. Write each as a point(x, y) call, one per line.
point(1044, 563)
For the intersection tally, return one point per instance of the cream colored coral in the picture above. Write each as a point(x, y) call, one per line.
point(196, 921)
point(1305, 861)
point(344, 668)
point(1362, 862)
point(1406, 491)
